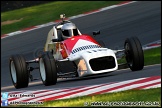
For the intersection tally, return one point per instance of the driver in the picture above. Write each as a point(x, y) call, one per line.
point(69, 30)
point(61, 32)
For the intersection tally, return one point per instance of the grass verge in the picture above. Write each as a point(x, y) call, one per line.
point(48, 12)
point(152, 56)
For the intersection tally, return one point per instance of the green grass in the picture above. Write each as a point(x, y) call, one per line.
point(48, 12)
point(152, 56)
point(146, 96)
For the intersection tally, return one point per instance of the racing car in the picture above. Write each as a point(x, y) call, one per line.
point(87, 56)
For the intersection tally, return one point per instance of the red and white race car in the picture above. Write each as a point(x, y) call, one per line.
point(67, 44)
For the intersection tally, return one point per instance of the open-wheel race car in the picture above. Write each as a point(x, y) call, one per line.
point(66, 44)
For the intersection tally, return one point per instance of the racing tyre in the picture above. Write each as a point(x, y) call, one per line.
point(48, 69)
point(18, 71)
point(134, 54)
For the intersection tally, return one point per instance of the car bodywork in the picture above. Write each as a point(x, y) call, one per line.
point(86, 53)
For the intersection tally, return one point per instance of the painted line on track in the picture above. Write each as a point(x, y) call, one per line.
point(53, 94)
point(151, 45)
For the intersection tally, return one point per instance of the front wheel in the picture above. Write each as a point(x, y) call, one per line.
point(18, 71)
point(48, 69)
point(134, 54)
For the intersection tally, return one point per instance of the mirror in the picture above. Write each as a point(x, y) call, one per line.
point(96, 32)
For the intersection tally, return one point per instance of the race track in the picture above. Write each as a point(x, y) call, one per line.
point(141, 19)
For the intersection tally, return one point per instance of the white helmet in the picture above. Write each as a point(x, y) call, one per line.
point(69, 30)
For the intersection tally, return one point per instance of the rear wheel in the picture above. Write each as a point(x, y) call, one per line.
point(48, 69)
point(18, 71)
point(134, 54)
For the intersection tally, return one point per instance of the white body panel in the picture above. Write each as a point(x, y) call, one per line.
point(89, 54)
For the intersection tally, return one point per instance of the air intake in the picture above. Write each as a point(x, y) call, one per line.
point(102, 63)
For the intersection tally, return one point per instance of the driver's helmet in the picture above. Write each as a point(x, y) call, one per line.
point(69, 30)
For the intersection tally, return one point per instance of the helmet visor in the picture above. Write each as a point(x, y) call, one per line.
point(69, 33)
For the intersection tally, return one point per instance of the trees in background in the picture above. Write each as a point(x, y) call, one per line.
point(12, 5)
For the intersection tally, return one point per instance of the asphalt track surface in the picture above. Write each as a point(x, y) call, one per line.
point(141, 19)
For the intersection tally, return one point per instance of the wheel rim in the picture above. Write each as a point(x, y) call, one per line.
point(13, 72)
point(128, 55)
point(42, 69)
